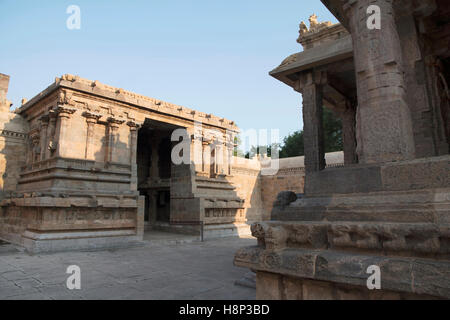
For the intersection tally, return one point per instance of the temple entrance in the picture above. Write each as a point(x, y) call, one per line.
point(154, 170)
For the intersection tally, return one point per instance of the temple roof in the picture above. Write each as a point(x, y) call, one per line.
point(99, 89)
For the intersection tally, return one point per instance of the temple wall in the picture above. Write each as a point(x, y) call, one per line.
point(13, 129)
point(247, 180)
point(290, 177)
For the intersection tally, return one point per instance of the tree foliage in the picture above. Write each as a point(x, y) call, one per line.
point(293, 144)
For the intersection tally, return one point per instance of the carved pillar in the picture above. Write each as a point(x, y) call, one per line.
point(91, 120)
point(35, 145)
point(310, 85)
point(51, 129)
point(348, 117)
point(133, 141)
point(133, 151)
point(230, 151)
point(197, 152)
point(384, 126)
point(112, 128)
point(62, 128)
point(43, 140)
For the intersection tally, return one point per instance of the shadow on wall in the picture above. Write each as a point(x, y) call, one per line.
point(13, 149)
point(288, 184)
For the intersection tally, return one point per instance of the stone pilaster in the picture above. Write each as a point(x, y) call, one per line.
point(197, 151)
point(91, 121)
point(35, 145)
point(112, 128)
point(310, 85)
point(133, 153)
point(43, 139)
point(62, 128)
point(384, 126)
point(51, 129)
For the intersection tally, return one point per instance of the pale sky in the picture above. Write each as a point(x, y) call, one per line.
point(210, 55)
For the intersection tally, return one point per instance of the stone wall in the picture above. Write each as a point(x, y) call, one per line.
point(246, 179)
point(290, 177)
point(13, 129)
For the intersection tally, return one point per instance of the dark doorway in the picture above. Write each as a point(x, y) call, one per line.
point(154, 169)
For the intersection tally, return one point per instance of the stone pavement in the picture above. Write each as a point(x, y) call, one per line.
point(153, 271)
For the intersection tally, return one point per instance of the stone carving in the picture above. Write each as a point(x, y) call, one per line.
point(423, 239)
point(303, 28)
point(285, 198)
point(314, 27)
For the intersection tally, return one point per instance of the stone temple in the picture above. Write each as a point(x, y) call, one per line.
point(84, 165)
point(389, 205)
point(88, 166)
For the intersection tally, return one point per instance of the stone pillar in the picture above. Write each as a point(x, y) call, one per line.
point(91, 121)
point(206, 156)
point(43, 140)
point(35, 146)
point(113, 126)
point(384, 126)
point(133, 152)
point(154, 167)
point(230, 151)
point(51, 129)
point(310, 85)
point(348, 117)
point(62, 128)
point(197, 152)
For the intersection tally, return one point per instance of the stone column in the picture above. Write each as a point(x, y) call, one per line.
point(35, 147)
point(62, 128)
point(43, 140)
point(310, 85)
point(206, 156)
point(91, 121)
point(51, 129)
point(384, 126)
point(113, 126)
point(197, 153)
point(133, 152)
point(230, 151)
point(154, 167)
point(348, 117)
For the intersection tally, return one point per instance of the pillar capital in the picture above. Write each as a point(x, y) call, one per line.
point(133, 125)
point(64, 111)
point(309, 78)
point(114, 123)
point(45, 119)
point(91, 116)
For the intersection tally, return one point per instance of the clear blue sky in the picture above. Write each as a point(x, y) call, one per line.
point(210, 55)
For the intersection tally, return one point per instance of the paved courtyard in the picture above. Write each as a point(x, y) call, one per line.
point(157, 270)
